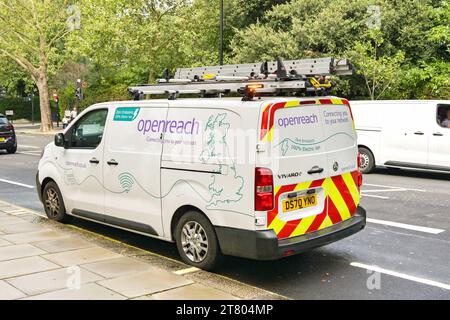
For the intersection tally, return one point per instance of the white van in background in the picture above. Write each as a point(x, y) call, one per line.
point(260, 179)
point(403, 134)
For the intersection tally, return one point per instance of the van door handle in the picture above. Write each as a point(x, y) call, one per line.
point(419, 133)
point(94, 160)
point(438, 134)
point(112, 162)
point(315, 170)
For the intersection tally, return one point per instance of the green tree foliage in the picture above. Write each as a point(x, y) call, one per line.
point(32, 34)
point(133, 42)
point(380, 73)
point(402, 53)
point(414, 42)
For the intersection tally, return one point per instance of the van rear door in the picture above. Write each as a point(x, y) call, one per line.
point(314, 162)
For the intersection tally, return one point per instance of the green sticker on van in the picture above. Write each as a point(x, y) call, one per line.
point(126, 114)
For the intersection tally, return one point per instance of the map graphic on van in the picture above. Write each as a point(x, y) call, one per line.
point(126, 114)
point(223, 188)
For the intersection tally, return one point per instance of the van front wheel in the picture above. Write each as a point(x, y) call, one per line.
point(367, 160)
point(197, 241)
point(54, 203)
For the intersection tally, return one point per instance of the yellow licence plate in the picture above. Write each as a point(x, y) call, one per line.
point(2, 139)
point(299, 203)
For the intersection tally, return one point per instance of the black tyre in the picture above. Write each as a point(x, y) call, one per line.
point(367, 160)
point(197, 241)
point(54, 203)
point(12, 149)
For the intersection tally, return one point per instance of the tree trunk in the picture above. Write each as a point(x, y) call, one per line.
point(46, 116)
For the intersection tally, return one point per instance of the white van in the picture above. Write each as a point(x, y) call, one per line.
point(403, 134)
point(258, 179)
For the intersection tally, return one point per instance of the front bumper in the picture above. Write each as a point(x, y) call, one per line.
point(264, 245)
point(38, 186)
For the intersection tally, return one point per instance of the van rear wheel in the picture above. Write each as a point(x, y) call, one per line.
point(367, 160)
point(54, 203)
point(197, 242)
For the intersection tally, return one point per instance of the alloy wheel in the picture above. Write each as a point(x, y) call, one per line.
point(194, 241)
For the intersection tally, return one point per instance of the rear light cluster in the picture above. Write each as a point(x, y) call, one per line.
point(359, 160)
point(264, 198)
point(9, 127)
point(360, 181)
point(360, 178)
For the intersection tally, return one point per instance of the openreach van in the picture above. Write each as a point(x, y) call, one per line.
point(261, 175)
point(403, 134)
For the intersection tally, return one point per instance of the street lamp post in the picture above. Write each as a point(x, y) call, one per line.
point(221, 33)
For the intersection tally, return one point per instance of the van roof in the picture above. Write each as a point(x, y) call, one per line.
point(208, 102)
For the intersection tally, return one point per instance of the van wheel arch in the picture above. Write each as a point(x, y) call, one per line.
point(370, 157)
point(45, 182)
point(179, 213)
point(196, 238)
point(53, 201)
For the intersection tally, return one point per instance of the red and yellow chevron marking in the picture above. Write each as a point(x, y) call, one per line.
point(268, 114)
point(341, 200)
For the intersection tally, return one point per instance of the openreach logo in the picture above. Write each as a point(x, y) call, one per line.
point(299, 120)
point(190, 127)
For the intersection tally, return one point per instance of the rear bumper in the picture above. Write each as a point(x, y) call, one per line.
point(10, 143)
point(264, 245)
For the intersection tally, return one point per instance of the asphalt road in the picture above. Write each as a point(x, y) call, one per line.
point(404, 253)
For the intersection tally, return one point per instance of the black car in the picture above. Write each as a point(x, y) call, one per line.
point(8, 139)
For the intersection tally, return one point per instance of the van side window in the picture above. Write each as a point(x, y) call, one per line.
point(443, 116)
point(88, 131)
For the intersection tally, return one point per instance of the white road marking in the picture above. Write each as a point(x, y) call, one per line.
point(372, 196)
point(401, 275)
point(406, 226)
point(17, 183)
point(28, 146)
point(391, 187)
point(30, 154)
point(16, 212)
point(383, 190)
point(185, 271)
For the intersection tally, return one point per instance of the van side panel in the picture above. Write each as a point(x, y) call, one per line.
point(211, 165)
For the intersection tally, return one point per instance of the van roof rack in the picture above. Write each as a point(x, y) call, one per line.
point(298, 77)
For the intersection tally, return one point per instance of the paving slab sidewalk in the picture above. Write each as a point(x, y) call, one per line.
point(27, 128)
point(37, 262)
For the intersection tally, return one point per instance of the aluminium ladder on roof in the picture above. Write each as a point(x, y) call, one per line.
point(306, 67)
point(275, 77)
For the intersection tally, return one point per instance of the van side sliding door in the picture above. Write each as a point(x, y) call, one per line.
point(132, 176)
point(439, 152)
point(405, 135)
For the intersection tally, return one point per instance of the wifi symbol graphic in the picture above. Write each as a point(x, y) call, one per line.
point(126, 180)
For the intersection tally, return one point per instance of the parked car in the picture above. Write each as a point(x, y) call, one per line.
point(8, 139)
point(408, 134)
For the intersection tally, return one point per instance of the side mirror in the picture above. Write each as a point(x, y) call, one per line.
point(59, 140)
